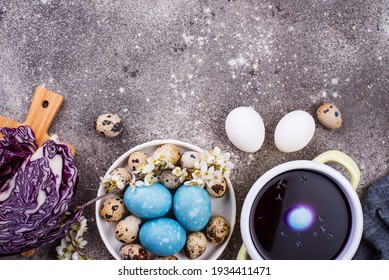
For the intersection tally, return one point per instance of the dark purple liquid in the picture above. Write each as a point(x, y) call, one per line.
point(324, 236)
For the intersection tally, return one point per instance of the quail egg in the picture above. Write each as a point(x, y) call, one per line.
point(133, 252)
point(137, 160)
point(217, 190)
point(329, 116)
point(169, 180)
point(168, 151)
point(189, 158)
point(113, 209)
point(127, 229)
point(108, 125)
point(217, 230)
point(195, 246)
point(123, 174)
point(168, 258)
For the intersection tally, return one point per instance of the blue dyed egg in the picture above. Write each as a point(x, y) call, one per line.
point(162, 237)
point(192, 207)
point(148, 202)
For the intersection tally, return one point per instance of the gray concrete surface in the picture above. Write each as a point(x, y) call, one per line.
point(175, 68)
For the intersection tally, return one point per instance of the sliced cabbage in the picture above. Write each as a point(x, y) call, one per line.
point(36, 189)
point(15, 147)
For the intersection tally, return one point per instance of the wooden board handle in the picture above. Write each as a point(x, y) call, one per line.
point(44, 107)
point(5, 122)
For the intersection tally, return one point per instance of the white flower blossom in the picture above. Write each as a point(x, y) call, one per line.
point(109, 183)
point(182, 174)
point(150, 179)
point(209, 159)
point(138, 184)
point(119, 183)
point(63, 250)
point(75, 256)
point(197, 164)
point(72, 242)
point(217, 178)
point(133, 181)
point(148, 168)
point(177, 171)
point(216, 152)
point(195, 182)
point(211, 168)
point(81, 242)
point(159, 162)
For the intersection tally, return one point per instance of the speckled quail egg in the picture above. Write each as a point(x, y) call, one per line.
point(195, 246)
point(329, 116)
point(127, 229)
point(168, 258)
point(113, 209)
point(169, 151)
point(217, 190)
point(189, 158)
point(217, 230)
point(108, 125)
point(133, 252)
point(137, 160)
point(169, 180)
point(124, 175)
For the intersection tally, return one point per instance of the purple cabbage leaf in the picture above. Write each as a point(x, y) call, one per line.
point(36, 190)
point(15, 147)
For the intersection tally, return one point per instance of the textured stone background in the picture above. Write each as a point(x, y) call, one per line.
point(175, 68)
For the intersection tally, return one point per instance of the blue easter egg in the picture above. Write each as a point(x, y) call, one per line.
point(148, 202)
point(162, 237)
point(192, 207)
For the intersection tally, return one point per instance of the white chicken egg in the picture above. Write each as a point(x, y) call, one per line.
point(245, 129)
point(294, 131)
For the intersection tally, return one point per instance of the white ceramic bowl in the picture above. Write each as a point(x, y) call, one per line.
point(316, 165)
point(224, 206)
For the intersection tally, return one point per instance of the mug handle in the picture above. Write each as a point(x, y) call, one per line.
point(347, 162)
point(243, 255)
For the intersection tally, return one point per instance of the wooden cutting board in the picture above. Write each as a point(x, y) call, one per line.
point(44, 107)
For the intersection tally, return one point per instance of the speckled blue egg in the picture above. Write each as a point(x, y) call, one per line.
point(162, 237)
point(148, 202)
point(192, 207)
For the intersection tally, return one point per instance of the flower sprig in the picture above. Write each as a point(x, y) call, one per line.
point(182, 174)
point(148, 174)
point(212, 167)
point(72, 242)
point(209, 170)
point(111, 182)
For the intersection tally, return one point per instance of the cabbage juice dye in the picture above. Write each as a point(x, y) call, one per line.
point(300, 214)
